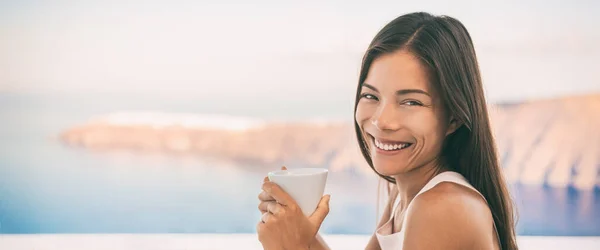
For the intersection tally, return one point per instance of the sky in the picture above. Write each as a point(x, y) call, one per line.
point(293, 49)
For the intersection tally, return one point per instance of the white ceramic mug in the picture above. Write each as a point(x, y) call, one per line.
point(304, 185)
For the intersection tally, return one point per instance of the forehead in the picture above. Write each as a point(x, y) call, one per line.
point(398, 70)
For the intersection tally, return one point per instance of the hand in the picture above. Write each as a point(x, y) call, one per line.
point(283, 225)
point(266, 198)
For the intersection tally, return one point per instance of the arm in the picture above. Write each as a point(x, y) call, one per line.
point(319, 243)
point(373, 244)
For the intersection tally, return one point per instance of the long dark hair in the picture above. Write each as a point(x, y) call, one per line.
point(444, 47)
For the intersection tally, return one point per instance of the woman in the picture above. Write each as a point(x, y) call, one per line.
point(422, 124)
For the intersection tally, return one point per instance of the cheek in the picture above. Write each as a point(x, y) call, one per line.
point(426, 127)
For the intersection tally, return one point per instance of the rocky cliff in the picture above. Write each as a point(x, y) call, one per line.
point(555, 142)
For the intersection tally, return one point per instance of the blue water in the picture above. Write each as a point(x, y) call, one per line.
point(46, 187)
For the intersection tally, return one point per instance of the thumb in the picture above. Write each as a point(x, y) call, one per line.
point(318, 216)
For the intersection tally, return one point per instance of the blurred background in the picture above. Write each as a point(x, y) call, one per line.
point(164, 117)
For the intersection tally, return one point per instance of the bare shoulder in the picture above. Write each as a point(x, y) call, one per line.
point(449, 216)
point(451, 197)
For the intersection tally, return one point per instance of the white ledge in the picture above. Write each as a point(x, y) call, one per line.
point(230, 241)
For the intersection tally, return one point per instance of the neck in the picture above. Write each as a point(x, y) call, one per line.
point(410, 183)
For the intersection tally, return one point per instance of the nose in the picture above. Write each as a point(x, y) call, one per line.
point(385, 118)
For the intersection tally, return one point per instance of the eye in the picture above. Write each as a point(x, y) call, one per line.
point(368, 97)
point(412, 103)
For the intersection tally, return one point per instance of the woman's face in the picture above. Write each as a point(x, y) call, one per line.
point(400, 115)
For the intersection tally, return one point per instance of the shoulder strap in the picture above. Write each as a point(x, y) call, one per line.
point(448, 176)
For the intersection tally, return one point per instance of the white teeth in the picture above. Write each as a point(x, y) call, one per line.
point(389, 147)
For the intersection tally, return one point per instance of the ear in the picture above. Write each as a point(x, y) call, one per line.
point(453, 126)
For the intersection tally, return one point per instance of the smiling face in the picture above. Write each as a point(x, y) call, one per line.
point(401, 117)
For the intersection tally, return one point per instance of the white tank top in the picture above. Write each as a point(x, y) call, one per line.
point(393, 241)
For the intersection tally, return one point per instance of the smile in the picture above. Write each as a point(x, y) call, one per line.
point(390, 146)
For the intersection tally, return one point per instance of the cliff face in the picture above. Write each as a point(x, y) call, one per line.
point(312, 144)
point(551, 141)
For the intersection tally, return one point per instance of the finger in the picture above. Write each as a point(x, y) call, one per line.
point(263, 206)
point(278, 194)
point(267, 178)
point(264, 196)
point(261, 231)
point(318, 216)
point(260, 228)
point(274, 207)
point(265, 217)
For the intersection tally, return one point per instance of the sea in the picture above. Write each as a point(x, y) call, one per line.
point(49, 188)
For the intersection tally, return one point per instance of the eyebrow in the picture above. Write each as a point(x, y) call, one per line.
point(400, 92)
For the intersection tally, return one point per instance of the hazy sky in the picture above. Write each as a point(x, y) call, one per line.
point(197, 48)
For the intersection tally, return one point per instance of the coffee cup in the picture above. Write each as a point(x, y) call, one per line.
point(304, 185)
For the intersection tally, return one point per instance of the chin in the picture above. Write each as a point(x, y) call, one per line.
point(388, 169)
